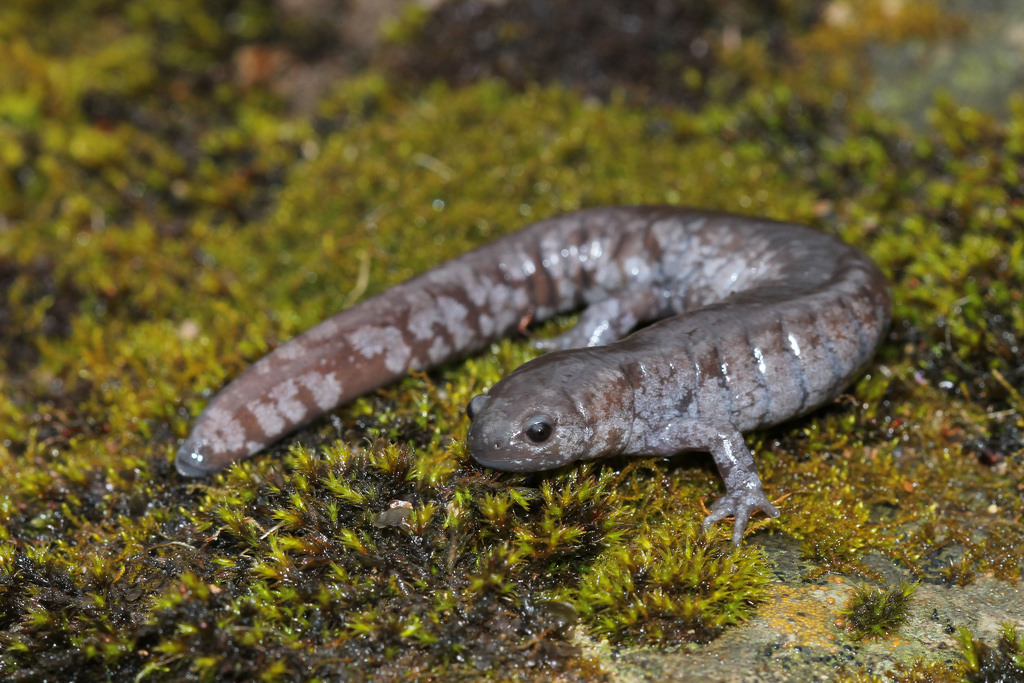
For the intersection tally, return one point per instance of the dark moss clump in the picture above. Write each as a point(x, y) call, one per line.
point(999, 664)
point(400, 569)
point(875, 612)
point(352, 562)
point(592, 47)
point(958, 571)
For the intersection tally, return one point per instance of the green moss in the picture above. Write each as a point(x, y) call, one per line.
point(924, 672)
point(454, 577)
point(670, 586)
point(1005, 662)
point(157, 236)
point(874, 612)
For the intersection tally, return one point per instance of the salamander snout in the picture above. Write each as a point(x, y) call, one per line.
point(506, 437)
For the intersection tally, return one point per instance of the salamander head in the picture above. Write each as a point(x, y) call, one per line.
point(552, 411)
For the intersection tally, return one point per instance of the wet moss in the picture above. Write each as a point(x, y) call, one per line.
point(875, 612)
point(923, 672)
point(1005, 662)
point(162, 227)
point(455, 578)
point(670, 587)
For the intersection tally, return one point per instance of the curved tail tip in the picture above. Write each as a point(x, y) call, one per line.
point(189, 462)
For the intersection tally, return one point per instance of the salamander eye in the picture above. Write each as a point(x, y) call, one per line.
point(539, 429)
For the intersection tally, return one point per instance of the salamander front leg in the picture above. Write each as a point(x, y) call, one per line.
point(607, 320)
point(743, 490)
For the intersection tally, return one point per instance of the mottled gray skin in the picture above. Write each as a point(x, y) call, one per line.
point(763, 321)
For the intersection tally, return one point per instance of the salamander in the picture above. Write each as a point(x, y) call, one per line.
point(696, 327)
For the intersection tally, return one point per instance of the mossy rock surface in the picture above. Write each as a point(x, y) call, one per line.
point(185, 186)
